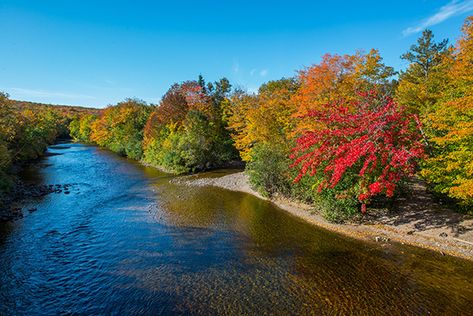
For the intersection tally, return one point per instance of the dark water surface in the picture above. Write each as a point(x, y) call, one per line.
point(126, 241)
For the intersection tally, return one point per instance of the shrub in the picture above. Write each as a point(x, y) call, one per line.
point(268, 170)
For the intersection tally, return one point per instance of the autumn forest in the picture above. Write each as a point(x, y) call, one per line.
point(339, 134)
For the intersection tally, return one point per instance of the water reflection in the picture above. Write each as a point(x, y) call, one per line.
point(127, 241)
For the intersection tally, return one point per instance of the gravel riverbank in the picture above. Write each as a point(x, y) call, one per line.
point(419, 220)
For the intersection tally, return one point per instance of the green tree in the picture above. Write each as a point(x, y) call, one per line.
point(74, 128)
point(188, 130)
point(420, 85)
point(7, 134)
point(120, 127)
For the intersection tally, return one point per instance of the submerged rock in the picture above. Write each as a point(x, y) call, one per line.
point(381, 239)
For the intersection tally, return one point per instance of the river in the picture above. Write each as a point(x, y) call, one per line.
point(124, 240)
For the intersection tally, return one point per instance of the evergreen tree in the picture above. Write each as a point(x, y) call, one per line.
point(421, 84)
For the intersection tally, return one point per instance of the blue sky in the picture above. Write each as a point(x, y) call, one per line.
point(96, 53)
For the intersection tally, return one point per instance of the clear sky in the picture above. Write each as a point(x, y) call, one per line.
point(95, 53)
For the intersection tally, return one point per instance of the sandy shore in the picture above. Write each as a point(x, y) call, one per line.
point(419, 221)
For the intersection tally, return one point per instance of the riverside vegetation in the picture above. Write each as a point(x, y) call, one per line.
point(338, 135)
point(26, 130)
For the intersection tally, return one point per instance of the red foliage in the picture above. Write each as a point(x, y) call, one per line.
point(374, 139)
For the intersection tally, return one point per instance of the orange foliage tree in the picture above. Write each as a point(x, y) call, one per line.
point(339, 77)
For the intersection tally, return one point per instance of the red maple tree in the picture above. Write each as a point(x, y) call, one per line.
point(373, 138)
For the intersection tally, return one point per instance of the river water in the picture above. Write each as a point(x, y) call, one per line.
point(127, 241)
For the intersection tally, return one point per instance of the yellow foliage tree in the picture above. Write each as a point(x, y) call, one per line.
point(262, 118)
point(451, 167)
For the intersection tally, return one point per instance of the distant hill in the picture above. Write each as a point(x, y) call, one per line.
point(69, 110)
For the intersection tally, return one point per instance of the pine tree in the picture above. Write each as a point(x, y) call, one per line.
point(421, 84)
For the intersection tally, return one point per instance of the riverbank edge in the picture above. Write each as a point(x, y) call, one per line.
point(20, 192)
point(372, 232)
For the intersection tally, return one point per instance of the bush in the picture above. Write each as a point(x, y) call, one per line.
point(335, 209)
point(268, 170)
point(270, 174)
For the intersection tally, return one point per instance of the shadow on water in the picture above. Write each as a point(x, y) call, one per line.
point(128, 241)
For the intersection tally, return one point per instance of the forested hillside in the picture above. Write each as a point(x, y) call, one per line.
point(27, 129)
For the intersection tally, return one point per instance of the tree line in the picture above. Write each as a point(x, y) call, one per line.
point(338, 134)
point(27, 129)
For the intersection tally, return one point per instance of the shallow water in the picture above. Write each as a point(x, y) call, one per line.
point(126, 241)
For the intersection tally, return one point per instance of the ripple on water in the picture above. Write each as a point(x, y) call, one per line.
point(131, 242)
